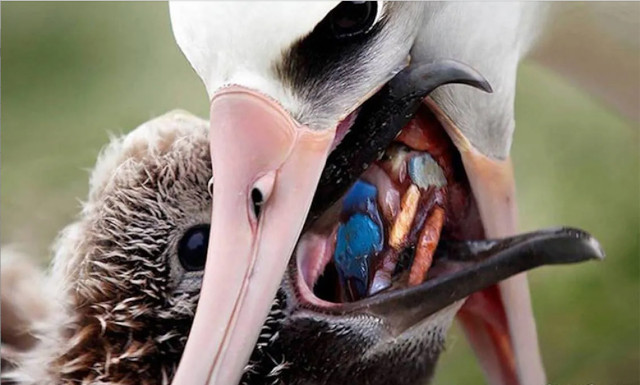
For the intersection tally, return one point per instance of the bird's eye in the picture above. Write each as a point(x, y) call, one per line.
point(192, 248)
point(352, 18)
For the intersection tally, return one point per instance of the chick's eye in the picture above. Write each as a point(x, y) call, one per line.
point(192, 248)
point(352, 18)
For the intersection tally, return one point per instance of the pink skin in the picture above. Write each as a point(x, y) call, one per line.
point(321, 247)
point(388, 194)
point(254, 144)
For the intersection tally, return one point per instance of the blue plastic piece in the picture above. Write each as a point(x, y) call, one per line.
point(360, 198)
point(357, 241)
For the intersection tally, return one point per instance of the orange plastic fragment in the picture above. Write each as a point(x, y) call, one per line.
point(402, 224)
point(426, 246)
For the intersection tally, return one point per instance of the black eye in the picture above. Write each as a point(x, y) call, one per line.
point(352, 18)
point(192, 248)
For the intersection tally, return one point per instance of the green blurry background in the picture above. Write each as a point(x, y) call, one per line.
point(72, 73)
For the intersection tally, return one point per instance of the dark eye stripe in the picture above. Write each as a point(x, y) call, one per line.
point(313, 65)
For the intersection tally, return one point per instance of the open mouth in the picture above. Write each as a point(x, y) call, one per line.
point(398, 222)
point(383, 234)
point(379, 215)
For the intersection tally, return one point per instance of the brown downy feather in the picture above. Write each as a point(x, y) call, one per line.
point(121, 305)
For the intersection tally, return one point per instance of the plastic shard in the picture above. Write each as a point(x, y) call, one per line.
point(359, 238)
point(425, 172)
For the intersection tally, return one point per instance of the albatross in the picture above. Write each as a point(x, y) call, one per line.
point(126, 277)
point(310, 99)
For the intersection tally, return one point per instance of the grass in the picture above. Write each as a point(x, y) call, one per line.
point(72, 73)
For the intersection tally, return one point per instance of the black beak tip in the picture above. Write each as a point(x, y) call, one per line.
point(464, 74)
point(484, 86)
point(588, 247)
point(420, 80)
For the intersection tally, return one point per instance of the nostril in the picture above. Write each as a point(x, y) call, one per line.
point(257, 200)
point(261, 192)
point(210, 187)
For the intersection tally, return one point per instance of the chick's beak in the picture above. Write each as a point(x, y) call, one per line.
point(266, 168)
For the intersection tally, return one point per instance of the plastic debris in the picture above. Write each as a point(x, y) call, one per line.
point(361, 198)
point(426, 172)
point(402, 224)
point(359, 239)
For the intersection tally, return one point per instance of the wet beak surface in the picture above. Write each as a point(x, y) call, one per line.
point(266, 168)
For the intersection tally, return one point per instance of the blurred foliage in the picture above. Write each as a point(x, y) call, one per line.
point(72, 73)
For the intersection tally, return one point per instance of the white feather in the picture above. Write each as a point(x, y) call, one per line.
point(238, 42)
point(492, 38)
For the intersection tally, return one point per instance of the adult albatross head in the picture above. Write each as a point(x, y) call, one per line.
point(310, 100)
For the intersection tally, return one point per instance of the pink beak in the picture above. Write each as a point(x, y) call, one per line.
point(498, 321)
point(266, 168)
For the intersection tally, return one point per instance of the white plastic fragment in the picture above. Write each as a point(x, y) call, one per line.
point(426, 172)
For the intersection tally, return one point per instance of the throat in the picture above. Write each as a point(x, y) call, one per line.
point(383, 233)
